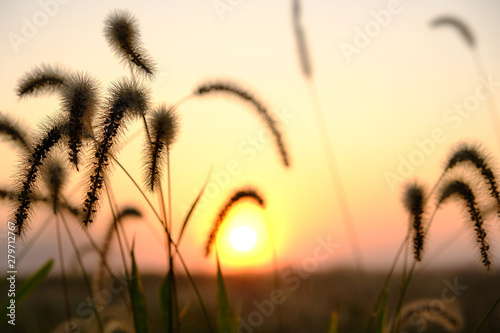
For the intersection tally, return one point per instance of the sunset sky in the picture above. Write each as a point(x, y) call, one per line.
point(382, 104)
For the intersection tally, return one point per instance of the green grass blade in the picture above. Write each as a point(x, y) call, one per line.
point(333, 327)
point(139, 306)
point(193, 206)
point(28, 286)
point(224, 317)
point(382, 315)
point(168, 314)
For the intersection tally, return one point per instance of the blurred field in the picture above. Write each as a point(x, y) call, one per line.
point(308, 301)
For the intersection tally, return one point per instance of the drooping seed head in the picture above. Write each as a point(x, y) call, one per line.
point(475, 155)
point(122, 34)
point(457, 24)
point(432, 311)
point(164, 126)
point(14, 132)
point(414, 200)
point(460, 189)
point(235, 90)
point(80, 102)
point(41, 79)
point(236, 197)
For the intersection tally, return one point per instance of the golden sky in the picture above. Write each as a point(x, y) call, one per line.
point(382, 104)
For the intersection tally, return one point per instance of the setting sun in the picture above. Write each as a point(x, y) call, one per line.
point(243, 238)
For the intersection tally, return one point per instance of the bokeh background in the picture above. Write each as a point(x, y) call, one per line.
point(378, 103)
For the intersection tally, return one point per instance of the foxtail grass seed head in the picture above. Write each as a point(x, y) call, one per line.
point(475, 155)
point(54, 175)
point(460, 189)
point(122, 34)
point(48, 138)
point(236, 197)
point(41, 79)
point(80, 101)
point(457, 24)
point(14, 132)
point(414, 200)
point(12, 196)
point(300, 39)
point(164, 126)
point(415, 313)
point(233, 89)
point(127, 100)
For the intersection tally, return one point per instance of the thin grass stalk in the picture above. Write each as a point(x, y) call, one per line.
point(63, 273)
point(34, 238)
point(276, 277)
point(169, 189)
point(478, 65)
point(119, 225)
point(378, 302)
point(84, 273)
point(337, 183)
point(404, 288)
point(197, 292)
point(487, 314)
point(111, 205)
point(452, 239)
point(98, 250)
point(492, 106)
point(175, 328)
point(326, 143)
point(132, 74)
point(191, 280)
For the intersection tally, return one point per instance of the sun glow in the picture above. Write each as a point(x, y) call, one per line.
point(243, 238)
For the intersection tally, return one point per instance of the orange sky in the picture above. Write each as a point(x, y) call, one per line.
point(377, 104)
